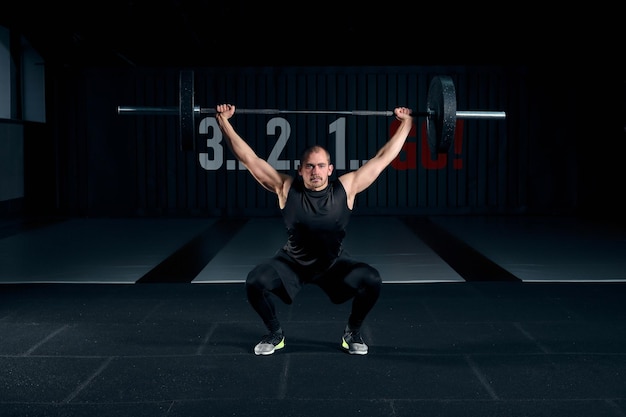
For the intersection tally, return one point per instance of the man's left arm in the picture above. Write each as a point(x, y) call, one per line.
point(356, 181)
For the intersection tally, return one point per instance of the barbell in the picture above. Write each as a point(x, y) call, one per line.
point(441, 113)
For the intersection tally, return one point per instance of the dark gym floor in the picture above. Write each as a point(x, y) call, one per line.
point(509, 316)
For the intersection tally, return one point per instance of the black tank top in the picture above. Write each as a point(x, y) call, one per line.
point(316, 223)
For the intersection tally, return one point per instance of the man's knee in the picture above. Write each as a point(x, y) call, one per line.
point(265, 279)
point(369, 277)
point(261, 277)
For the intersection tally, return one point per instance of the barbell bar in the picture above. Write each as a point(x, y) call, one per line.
point(174, 111)
point(441, 113)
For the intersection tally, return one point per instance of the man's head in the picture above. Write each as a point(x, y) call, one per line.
point(315, 168)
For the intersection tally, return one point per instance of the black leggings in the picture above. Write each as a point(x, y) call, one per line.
point(347, 279)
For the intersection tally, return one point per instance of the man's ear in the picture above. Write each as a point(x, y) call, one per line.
point(331, 168)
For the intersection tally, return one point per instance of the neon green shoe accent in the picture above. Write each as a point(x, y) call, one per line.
point(353, 343)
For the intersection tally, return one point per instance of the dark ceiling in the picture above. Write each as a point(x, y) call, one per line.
point(181, 33)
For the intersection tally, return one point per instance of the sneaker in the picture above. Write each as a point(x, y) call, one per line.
point(353, 342)
point(269, 343)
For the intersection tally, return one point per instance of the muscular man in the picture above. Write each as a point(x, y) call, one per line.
point(316, 211)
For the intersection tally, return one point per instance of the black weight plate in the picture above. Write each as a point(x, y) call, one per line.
point(187, 125)
point(441, 120)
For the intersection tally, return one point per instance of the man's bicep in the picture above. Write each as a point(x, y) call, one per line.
point(265, 174)
point(366, 175)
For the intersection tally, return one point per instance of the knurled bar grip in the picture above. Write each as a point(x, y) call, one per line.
point(174, 111)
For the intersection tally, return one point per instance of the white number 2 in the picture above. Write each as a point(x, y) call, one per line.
point(285, 132)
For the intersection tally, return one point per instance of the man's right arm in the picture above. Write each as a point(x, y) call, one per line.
point(261, 170)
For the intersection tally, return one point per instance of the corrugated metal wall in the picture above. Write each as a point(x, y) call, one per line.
point(114, 164)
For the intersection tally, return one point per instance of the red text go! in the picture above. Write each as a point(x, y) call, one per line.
point(407, 159)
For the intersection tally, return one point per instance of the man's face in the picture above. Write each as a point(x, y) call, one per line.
point(315, 171)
